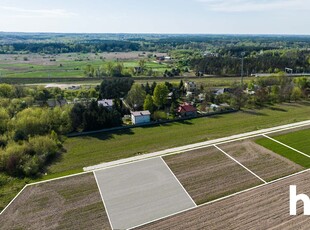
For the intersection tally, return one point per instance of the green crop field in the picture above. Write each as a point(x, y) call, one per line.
point(65, 65)
point(298, 140)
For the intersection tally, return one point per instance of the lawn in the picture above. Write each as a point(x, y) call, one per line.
point(91, 150)
point(298, 140)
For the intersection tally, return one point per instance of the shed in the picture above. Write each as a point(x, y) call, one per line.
point(140, 117)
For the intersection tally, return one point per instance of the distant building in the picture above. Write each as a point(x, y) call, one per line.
point(107, 103)
point(187, 110)
point(140, 117)
point(190, 86)
point(222, 91)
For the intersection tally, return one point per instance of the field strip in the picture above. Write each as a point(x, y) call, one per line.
point(197, 145)
point(287, 146)
point(228, 196)
point(103, 200)
point(178, 181)
point(254, 174)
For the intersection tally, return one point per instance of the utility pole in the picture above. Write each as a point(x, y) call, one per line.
point(242, 67)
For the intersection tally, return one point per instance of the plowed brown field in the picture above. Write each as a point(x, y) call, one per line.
point(71, 203)
point(266, 207)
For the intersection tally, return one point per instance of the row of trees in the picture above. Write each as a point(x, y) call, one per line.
point(64, 47)
point(93, 117)
point(267, 62)
point(263, 91)
point(111, 69)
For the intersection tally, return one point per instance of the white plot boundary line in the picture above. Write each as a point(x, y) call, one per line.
point(224, 198)
point(14, 199)
point(105, 207)
point(199, 147)
point(254, 174)
point(290, 127)
point(178, 181)
point(287, 146)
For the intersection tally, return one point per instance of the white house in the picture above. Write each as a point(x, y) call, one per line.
point(190, 86)
point(107, 103)
point(140, 117)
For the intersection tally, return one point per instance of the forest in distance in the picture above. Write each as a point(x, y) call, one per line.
point(204, 54)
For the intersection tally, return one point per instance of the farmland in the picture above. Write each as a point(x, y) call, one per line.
point(67, 65)
point(208, 174)
point(261, 161)
point(72, 203)
point(298, 140)
point(219, 186)
point(266, 207)
point(105, 147)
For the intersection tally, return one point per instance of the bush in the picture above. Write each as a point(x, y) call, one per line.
point(159, 115)
point(29, 157)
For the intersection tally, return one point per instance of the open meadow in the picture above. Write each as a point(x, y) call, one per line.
point(69, 65)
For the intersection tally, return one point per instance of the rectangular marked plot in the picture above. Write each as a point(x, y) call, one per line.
point(284, 151)
point(208, 174)
point(70, 203)
point(266, 207)
point(260, 160)
point(299, 140)
point(140, 192)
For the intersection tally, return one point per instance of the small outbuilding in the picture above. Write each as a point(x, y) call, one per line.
point(187, 110)
point(107, 103)
point(140, 117)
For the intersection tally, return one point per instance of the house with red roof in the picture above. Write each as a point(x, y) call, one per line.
point(187, 110)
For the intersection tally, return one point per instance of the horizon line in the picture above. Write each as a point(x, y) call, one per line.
point(156, 33)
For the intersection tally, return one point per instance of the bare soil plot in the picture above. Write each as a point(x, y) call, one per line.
point(266, 207)
point(260, 160)
point(71, 203)
point(208, 174)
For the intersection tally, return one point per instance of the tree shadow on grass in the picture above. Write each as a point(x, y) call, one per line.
point(254, 112)
point(110, 135)
point(277, 109)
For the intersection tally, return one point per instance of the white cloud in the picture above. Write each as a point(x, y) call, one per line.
point(255, 5)
point(37, 13)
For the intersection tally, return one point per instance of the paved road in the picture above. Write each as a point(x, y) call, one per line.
point(195, 146)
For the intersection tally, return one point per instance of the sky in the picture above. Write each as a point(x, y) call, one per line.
point(156, 16)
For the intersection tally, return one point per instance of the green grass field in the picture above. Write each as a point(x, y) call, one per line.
point(298, 140)
point(95, 149)
point(63, 68)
